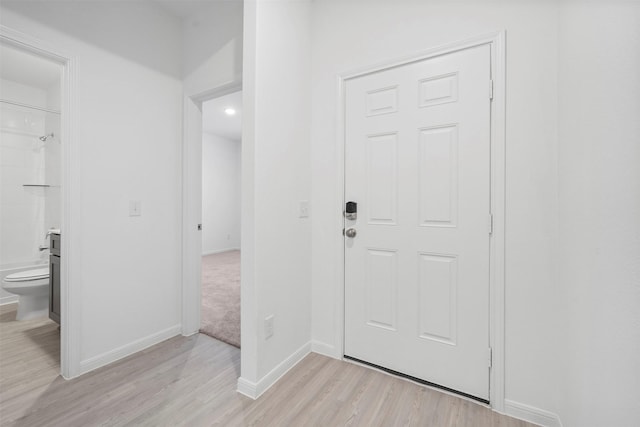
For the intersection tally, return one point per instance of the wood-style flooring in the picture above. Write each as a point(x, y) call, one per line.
point(191, 381)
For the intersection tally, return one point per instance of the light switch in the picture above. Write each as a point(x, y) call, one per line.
point(135, 208)
point(304, 209)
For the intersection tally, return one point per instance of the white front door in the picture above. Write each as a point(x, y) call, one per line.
point(417, 271)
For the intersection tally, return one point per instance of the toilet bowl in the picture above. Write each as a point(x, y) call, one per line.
point(32, 288)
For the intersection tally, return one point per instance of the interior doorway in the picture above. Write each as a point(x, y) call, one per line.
point(221, 208)
point(40, 107)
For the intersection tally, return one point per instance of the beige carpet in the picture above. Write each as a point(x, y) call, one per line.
point(221, 297)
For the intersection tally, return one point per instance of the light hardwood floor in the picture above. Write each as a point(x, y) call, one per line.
point(192, 382)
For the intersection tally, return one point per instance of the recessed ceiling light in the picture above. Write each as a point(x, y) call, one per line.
point(230, 111)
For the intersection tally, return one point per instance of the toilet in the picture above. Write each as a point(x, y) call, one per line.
point(32, 288)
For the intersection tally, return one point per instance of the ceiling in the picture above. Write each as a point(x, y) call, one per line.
point(185, 9)
point(22, 67)
point(31, 70)
point(216, 121)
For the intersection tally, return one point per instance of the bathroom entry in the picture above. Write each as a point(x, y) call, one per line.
point(221, 155)
point(31, 205)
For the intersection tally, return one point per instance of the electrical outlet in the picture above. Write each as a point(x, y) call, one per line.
point(268, 326)
point(304, 209)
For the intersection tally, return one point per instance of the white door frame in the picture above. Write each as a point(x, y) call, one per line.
point(192, 204)
point(70, 290)
point(497, 251)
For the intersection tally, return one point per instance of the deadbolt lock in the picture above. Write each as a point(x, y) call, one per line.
point(351, 211)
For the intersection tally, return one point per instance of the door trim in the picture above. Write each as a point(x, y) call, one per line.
point(70, 298)
point(498, 165)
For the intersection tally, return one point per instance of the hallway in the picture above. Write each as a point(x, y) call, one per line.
point(191, 381)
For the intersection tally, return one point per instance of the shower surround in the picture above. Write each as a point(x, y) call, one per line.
point(30, 174)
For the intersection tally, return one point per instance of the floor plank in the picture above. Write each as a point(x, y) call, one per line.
point(191, 381)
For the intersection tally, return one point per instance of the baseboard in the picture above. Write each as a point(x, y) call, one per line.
point(128, 349)
point(189, 334)
point(219, 251)
point(9, 300)
point(531, 414)
point(255, 390)
point(325, 349)
point(247, 388)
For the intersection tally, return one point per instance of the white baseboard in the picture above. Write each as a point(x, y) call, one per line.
point(531, 414)
point(190, 333)
point(9, 300)
point(255, 390)
point(219, 251)
point(128, 349)
point(247, 388)
point(325, 349)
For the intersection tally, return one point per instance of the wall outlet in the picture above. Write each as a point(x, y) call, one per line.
point(303, 210)
point(268, 326)
point(135, 208)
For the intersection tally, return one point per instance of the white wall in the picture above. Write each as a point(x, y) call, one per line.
point(351, 35)
point(220, 194)
point(18, 92)
point(573, 187)
point(129, 98)
point(599, 165)
point(276, 175)
point(212, 54)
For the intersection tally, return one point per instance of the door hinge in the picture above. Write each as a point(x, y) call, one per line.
point(490, 357)
point(490, 224)
point(490, 89)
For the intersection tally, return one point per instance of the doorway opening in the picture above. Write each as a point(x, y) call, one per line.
point(34, 127)
point(221, 208)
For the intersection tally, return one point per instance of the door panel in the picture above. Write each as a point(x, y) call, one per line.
point(382, 178)
point(437, 289)
point(417, 272)
point(438, 176)
point(381, 289)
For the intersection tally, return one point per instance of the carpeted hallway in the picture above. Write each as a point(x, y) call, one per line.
point(221, 297)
